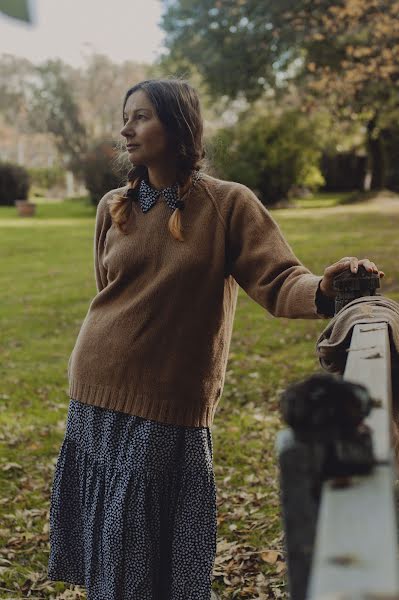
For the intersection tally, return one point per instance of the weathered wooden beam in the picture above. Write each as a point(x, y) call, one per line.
point(299, 468)
point(369, 363)
point(356, 548)
point(356, 540)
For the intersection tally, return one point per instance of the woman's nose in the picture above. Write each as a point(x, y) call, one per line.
point(126, 130)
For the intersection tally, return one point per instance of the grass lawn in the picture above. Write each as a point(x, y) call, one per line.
point(322, 200)
point(47, 284)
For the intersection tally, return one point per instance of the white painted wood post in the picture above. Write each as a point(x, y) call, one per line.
point(356, 546)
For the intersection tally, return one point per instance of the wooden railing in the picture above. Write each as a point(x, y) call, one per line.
point(337, 479)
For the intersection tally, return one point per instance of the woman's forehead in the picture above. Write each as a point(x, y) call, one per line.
point(137, 100)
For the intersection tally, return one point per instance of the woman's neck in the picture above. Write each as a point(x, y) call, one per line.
point(161, 177)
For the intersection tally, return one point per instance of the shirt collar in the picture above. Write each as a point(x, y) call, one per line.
point(149, 195)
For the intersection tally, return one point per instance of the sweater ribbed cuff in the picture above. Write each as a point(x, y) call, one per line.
point(325, 305)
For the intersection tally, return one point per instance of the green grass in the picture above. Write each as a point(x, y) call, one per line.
point(322, 200)
point(47, 283)
point(46, 209)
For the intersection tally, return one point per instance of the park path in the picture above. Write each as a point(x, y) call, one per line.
point(381, 204)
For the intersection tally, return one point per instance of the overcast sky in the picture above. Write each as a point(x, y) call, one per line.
point(72, 29)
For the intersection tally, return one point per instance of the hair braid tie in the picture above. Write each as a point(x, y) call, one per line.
point(180, 205)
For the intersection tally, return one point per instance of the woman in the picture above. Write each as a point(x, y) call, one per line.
point(133, 504)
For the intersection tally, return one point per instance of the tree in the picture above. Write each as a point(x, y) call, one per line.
point(54, 110)
point(344, 53)
point(71, 107)
point(99, 89)
point(16, 76)
point(270, 152)
point(352, 51)
point(235, 44)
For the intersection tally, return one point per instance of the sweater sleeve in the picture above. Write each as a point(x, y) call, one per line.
point(100, 231)
point(263, 263)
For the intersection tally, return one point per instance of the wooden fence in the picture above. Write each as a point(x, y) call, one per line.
point(340, 520)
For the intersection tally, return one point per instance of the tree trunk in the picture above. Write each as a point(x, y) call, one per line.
point(376, 155)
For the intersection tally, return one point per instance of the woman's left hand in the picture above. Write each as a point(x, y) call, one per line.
point(326, 285)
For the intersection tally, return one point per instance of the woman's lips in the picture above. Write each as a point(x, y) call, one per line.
point(132, 146)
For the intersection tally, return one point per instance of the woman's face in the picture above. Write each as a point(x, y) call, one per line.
point(146, 138)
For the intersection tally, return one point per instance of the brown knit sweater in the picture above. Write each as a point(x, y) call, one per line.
point(155, 340)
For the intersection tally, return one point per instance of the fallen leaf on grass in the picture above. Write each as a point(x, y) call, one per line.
point(280, 567)
point(270, 556)
point(10, 465)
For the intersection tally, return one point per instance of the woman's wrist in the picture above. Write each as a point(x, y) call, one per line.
point(325, 304)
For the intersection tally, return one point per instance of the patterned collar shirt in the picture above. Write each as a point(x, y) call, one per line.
point(148, 196)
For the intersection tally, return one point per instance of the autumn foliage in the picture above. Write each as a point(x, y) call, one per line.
point(342, 55)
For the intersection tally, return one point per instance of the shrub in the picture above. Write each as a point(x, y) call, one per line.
point(47, 177)
point(14, 183)
point(99, 171)
point(270, 154)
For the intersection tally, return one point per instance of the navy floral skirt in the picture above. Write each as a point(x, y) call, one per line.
point(133, 508)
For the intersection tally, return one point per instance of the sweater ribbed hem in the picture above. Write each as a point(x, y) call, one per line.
point(155, 408)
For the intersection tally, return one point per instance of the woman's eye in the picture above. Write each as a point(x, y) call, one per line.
point(138, 117)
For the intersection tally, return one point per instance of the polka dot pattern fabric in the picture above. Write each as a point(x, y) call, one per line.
point(148, 196)
point(133, 507)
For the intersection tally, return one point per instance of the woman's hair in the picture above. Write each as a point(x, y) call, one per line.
point(177, 105)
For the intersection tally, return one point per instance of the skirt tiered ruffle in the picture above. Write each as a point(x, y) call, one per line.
point(133, 508)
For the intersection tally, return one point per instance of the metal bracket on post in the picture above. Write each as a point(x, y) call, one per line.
point(350, 286)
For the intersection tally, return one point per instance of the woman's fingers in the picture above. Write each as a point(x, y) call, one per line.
point(353, 263)
point(348, 262)
point(371, 266)
point(340, 265)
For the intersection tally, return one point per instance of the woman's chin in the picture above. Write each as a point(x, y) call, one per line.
point(136, 162)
